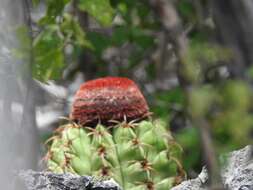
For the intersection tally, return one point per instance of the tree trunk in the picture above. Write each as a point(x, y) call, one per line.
point(234, 22)
point(18, 133)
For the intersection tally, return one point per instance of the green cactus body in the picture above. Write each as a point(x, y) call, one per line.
point(139, 156)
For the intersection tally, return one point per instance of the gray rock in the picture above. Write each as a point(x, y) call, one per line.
point(194, 184)
point(67, 181)
point(237, 174)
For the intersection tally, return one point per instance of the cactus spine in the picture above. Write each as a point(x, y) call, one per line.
point(137, 155)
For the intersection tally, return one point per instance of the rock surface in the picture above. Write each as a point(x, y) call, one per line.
point(237, 174)
point(52, 181)
point(194, 184)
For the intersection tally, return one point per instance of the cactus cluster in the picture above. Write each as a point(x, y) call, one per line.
point(137, 155)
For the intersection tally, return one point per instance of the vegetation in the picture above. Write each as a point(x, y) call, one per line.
point(195, 92)
point(136, 155)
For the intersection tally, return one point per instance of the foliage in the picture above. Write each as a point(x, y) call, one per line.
point(60, 28)
point(137, 37)
point(99, 9)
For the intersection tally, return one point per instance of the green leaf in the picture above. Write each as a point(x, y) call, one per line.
point(55, 7)
point(49, 66)
point(101, 10)
point(136, 35)
point(120, 35)
point(48, 55)
point(99, 41)
point(201, 100)
point(186, 8)
point(139, 37)
point(73, 32)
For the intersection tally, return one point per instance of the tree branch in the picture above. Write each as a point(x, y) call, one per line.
point(172, 24)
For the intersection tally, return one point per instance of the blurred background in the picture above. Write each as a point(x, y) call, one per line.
point(192, 59)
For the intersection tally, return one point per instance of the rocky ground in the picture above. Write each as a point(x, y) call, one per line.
point(237, 174)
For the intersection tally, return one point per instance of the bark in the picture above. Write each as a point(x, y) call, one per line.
point(18, 133)
point(172, 25)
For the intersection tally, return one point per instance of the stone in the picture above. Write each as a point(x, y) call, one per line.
point(237, 173)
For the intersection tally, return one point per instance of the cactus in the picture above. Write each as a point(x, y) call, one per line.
point(137, 154)
point(106, 99)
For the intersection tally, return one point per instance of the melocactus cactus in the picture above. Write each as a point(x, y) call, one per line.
point(137, 154)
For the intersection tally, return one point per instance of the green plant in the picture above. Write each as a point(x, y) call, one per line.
point(137, 155)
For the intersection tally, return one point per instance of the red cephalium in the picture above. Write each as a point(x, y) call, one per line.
point(109, 98)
